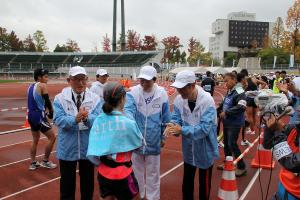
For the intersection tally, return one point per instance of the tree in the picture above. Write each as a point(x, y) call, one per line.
point(4, 40)
point(183, 57)
point(278, 33)
point(134, 42)
point(61, 48)
point(267, 56)
point(196, 50)
point(40, 41)
point(14, 42)
point(28, 44)
point(72, 46)
point(293, 23)
point(149, 43)
point(171, 43)
point(266, 42)
point(106, 44)
point(228, 60)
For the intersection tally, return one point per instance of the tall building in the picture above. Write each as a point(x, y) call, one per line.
point(239, 30)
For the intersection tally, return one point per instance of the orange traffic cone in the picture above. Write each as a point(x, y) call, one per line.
point(26, 123)
point(228, 187)
point(263, 157)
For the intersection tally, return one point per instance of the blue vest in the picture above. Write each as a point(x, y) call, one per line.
point(236, 120)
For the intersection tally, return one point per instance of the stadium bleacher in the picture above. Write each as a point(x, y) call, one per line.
point(22, 63)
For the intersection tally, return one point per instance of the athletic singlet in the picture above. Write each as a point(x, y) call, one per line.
point(251, 85)
point(34, 99)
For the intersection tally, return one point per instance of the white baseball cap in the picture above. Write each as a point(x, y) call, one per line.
point(183, 78)
point(297, 82)
point(147, 72)
point(101, 72)
point(77, 70)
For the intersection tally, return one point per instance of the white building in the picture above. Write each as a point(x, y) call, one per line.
point(238, 30)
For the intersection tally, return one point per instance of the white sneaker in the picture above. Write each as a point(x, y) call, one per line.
point(48, 164)
point(221, 144)
point(245, 143)
point(34, 165)
point(250, 132)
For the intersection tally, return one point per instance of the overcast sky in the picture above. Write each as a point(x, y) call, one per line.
point(89, 20)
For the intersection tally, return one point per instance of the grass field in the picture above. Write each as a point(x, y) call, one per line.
point(12, 81)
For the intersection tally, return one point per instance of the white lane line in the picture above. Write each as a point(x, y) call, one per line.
point(249, 186)
point(172, 150)
point(19, 161)
point(22, 142)
point(171, 170)
point(30, 188)
point(57, 178)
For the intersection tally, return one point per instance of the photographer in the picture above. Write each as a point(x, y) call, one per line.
point(292, 91)
point(285, 143)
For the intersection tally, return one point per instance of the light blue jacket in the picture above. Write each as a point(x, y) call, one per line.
point(199, 129)
point(150, 118)
point(72, 143)
point(112, 134)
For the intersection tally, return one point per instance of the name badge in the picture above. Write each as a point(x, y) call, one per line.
point(82, 126)
point(281, 150)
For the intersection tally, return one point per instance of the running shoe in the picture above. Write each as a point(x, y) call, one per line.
point(34, 165)
point(221, 144)
point(48, 164)
point(245, 143)
point(240, 172)
point(250, 132)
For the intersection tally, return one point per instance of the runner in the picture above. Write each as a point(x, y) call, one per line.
point(38, 104)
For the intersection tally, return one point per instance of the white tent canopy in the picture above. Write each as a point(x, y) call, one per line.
point(202, 70)
point(179, 69)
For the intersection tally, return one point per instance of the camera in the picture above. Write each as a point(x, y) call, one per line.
point(268, 102)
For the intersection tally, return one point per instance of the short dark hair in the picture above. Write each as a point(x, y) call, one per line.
point(231, 75)
point(283, 72)
point(245, 71)
point(240, 77)
point(277, 72)
point(39, 72)
point(264, 78)
point(208, 73)
point(234, 72)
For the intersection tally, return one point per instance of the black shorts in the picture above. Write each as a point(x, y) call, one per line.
point(38, 122)
point(124, 189)
point(251, 103)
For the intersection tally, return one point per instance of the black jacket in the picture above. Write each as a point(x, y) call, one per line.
point(290, 162)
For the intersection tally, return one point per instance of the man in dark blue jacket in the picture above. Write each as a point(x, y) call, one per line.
point(233, 108)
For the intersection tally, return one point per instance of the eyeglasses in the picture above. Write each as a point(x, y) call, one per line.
point(79, 79)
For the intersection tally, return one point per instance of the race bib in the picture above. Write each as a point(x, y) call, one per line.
point(82, 126)
point(207, 88)
point(282, 149)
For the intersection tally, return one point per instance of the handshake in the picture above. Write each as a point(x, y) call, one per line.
point(172, 129)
